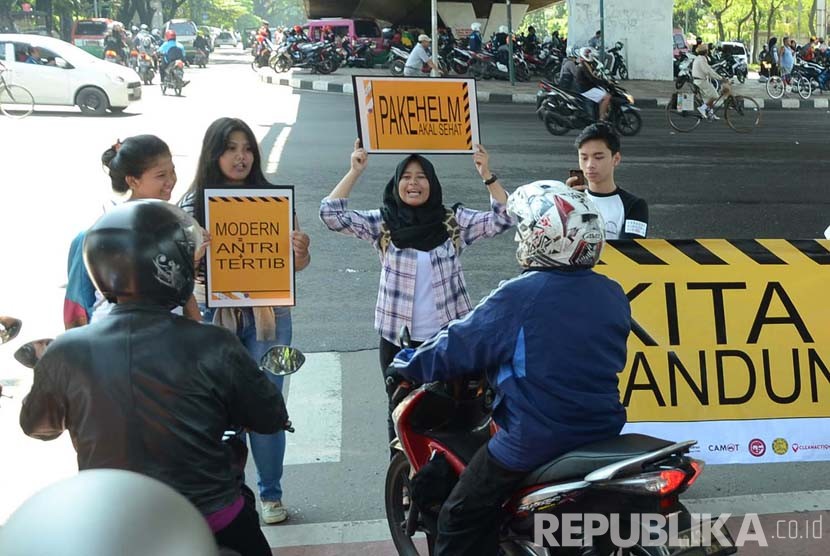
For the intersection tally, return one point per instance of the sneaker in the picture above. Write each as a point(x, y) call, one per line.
point(273, 512)
point(711, 115)
point(704, 111)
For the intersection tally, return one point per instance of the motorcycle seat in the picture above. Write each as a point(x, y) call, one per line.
point(590, 457)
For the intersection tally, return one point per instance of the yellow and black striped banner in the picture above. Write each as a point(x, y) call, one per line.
point(416, 115)
point(725, 329)
point(250, 260)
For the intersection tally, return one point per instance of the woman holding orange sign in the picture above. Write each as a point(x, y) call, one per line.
point(230, 158)
point(419, 242)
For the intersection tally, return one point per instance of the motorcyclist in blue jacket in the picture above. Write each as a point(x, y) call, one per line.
point(474, 40)
point(551, 342)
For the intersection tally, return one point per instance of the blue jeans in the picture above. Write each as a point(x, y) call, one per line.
point(268, 450)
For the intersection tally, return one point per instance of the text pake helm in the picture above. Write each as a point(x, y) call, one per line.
point(555, 226)
point(143, 250)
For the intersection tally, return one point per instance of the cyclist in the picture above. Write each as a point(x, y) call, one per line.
point(702, 72)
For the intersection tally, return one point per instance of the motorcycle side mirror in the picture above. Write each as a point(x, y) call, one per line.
point(282, 360)
point(30, 353)
point(404, 339)
point(9, 329)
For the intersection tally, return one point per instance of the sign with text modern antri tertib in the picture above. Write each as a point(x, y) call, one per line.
point(730, 344)
point(250, 261)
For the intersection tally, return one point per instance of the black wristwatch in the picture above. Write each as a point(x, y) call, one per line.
point(493, 179)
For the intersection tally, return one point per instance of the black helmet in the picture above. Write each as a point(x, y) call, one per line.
point(143, 249)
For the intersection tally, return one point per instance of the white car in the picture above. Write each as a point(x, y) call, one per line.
point(62, 74)
point(736, 49)
point(226, 39)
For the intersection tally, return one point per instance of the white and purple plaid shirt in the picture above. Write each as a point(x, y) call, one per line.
point(398, 266)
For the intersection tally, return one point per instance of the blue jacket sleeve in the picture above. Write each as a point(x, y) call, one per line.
point(483, 339)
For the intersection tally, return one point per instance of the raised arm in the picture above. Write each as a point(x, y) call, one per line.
point(359, 162)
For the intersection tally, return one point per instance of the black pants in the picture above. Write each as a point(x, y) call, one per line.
point(243, 534)
point(468, 524)
point(388, 351)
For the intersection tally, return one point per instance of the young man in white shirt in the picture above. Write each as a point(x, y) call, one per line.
point(625, 215)
point(418, 58)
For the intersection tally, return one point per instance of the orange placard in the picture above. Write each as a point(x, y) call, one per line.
point(250, 261)
point(416, 115)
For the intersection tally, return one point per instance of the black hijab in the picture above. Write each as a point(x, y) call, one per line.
point(422, 227)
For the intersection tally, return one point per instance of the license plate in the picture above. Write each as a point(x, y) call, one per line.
point(692, 541)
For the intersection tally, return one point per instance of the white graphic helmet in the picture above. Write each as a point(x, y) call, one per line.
point(555, 226)
point(503, 29)
point(475, 26)
point(586, 54)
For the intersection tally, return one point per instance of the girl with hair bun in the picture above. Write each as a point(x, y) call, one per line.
point(140, 167)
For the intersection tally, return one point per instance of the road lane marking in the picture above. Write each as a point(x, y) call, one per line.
point(315, 406)
point(276, 151)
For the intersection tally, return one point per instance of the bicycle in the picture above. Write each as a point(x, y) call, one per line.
point(795, 82)
point(15, 100)
point(742, 114)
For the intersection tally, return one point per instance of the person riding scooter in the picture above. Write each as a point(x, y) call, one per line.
point(171, 51)
point(551, 342)
point(591, 86)
point(149, 391)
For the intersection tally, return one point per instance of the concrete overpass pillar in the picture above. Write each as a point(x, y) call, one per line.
point(643, 26)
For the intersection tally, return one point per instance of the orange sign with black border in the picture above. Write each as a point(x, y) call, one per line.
point(250, 261)
point(416, 115)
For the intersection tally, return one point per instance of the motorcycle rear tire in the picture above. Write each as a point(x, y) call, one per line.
point(459, 68)
point(282, 63)
point(397, 67)
point(741, 78)
point(628, 123)
point(254, 66)
point(397, 477)
point(476, 70)
point(522, 74)
point(326, 66)
point(624, 72)
point(554, 127)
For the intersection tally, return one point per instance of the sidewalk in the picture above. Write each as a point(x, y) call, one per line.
point(647, 94)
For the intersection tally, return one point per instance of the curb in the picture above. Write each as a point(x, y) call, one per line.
point(528, 98)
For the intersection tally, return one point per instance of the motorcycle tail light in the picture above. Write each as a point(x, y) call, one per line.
point(697, 465)
point(658, 483)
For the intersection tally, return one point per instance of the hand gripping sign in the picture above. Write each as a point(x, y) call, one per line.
point(416, 115)
point(250, 262)
point(730, 344)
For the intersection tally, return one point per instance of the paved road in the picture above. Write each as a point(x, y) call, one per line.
point(711, 183)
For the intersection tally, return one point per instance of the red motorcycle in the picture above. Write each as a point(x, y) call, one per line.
point(440, 426)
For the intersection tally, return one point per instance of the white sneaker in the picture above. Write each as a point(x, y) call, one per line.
point(704, 111)
point(711, 115)
point(273, 512)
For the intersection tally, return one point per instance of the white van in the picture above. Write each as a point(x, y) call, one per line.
point(736, 49)
point(64, 75)
point(185, 31)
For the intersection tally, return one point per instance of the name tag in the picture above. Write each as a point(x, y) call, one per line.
point(636, 227)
